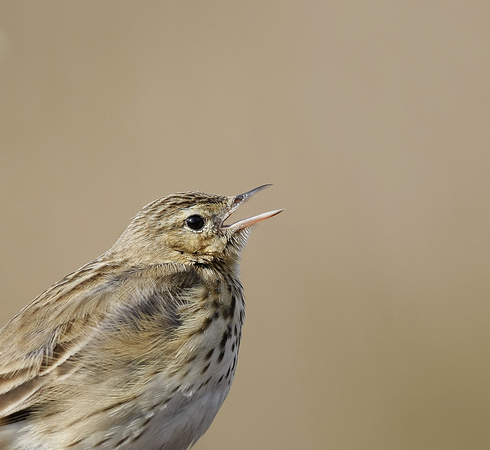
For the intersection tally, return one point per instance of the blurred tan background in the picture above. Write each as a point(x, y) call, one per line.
point(369, 298)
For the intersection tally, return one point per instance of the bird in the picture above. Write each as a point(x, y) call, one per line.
point(138, 348)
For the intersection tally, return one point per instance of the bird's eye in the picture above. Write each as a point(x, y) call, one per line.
point(195, 222)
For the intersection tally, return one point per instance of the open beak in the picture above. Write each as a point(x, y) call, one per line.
point(245, 223)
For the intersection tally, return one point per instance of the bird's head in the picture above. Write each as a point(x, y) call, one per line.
point(190, 228)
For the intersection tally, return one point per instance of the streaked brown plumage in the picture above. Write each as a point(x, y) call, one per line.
point(137, 349)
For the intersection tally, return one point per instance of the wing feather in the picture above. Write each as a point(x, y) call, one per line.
point(58, 325)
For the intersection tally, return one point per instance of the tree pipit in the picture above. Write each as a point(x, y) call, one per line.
point(137, 349)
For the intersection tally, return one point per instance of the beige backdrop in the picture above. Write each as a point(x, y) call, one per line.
point(368, 299)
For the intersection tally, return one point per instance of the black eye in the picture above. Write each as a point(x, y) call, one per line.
point(195, 222)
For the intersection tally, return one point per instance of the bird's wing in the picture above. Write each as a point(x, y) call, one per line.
point(36, 345)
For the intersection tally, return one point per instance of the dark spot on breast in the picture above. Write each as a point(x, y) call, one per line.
point(221, 356)
point(206, 382)
point(209, 354)
point(205, 368)
point(226, 336)
point(230, 311)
